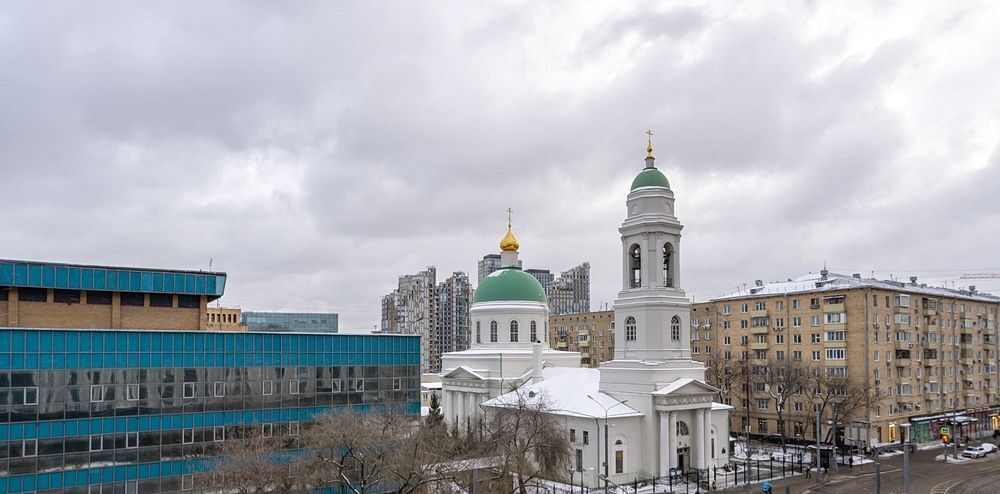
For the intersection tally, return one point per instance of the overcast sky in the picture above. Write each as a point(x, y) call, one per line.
point(316, 151)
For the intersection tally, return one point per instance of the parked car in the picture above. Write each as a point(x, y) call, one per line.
point(989, 447)
point(974, 452)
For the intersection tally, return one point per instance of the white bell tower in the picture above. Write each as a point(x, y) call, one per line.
point(652, 312)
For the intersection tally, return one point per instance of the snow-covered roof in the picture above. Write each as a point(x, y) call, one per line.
point(722, 406)
point(436, 385)
point(568, 391)
point(817, 282)
point(463, 370)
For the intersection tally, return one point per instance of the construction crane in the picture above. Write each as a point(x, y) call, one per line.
point(979, 276)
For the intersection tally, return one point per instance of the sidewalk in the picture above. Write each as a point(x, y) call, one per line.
point(799, 484)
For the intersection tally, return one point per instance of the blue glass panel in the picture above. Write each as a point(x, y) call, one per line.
point(21, 274)
point(188, 359)
point(133, 342)
point(157, 282)
point(121, 342)
point(155, 360)
point(48, 276)
point(146, 280)
point(31, 341)
point(5, 363)
point(109, 342)
point(210, 286)
point(45, 361)
point(189, 343)
point(200, 288)
point(110, 360)
point(35, 275)
point(190, 284)
point(6, 273)
point(62, 277)
point(120, 360)
point(59, 341)
point(156, 342)
point(5, 338)
point(100, 279)
point(168, 283)
point(45, 341)
point(72, 360)
point(230, 343)
point(74, 278)
point(112, 283)
point(135, 281)
point(85, 338)
point(145, 343)
point(176, 341)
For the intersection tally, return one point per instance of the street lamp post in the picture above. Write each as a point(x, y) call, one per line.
point(606, 410)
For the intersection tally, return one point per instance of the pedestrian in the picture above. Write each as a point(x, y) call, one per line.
point(808, 473)
point(766, 488)
point(852, 462)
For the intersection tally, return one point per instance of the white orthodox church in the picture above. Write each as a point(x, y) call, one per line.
point(652, 394)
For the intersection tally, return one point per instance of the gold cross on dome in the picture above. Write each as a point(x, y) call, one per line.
point(510, 212)
point(650, 134)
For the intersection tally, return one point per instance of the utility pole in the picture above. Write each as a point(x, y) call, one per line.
point(817, 446)
point(833, 452)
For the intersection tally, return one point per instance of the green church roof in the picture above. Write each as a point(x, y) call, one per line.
point(650, 177)
point(510, 284)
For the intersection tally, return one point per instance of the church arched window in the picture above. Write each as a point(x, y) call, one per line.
point(619, 456)
point(494, 331)
point(682, 428)
point(630, 328)
point(635, 266)
point(479, 333)
point(534, 331)
point(675, 328)
point(513, 331)
point(668, 264)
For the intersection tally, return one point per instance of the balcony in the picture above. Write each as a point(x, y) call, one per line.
point(835, 344)
point(904, 345)
point(965, 330)
point(930, 312)
point(930, 362)
point(585, 355)
point(583, 343)
point(758, 313)
point(967, 360)
point(904, 380)
point(835, 326)
point(758, 361)
point(759, 330)
point(561, 344)
point(966, 315)
point(902, 362)
point(834, 308)
point(757, 345)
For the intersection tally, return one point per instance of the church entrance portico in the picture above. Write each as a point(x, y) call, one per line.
point(682, 458)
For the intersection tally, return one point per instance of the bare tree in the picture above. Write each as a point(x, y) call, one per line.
point(252, 461)
point(851, 396)
point(720, 373)
point(528, 441)
point(782, 379)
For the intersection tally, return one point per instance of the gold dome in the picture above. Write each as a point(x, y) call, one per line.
point(509, 242)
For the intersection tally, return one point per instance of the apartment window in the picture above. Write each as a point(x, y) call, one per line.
point(903, 300)
point(836, 335)
point(66, 296)
point(132, 392)
point(796, 338)
point(814, 303)
point(586, 437)
point(219, 389)
point(815, 356)
point(815, 321)
point(397, 384)
point(779, 354)
point(163, 300)
point(725, 309)
point(779, 338)
point(744, 308)
point(835, 318)
point(796, 322)
point(796, 304)
point(30, 396)
point(762, 426)
point(98, 298)
point(876, 359)
point(32, 295)
point(836, 354)
point(726, 340)
point(268, 387)
point(293, 387)
point(727, 324)
point(29, 448)
point(815, 337)
point(744, 339)
point(188, 301)
point(219, 433)
point(572, 435)
point(97, 392)
point(132, 440)
point(133, 299)
point(779, 322)
point(762, 404)
point(760, 306)
point(189, 390)
point(494, 331)
point(796, 355)
point(187, 436)
point(779, 305)
point(744, 324)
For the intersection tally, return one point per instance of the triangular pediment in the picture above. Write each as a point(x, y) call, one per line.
point(462, 372)
point(685, 386)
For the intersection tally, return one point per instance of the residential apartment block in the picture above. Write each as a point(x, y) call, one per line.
point(927, 355)
point(570, 292)
point(590, 333)
point(438, 313)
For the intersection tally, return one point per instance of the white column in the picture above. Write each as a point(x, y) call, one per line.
point(470, 406)
point(708, 437)
point(672, 443)
point(664, 445)
point(449, 408)
point(699, 430)
point(460, 410)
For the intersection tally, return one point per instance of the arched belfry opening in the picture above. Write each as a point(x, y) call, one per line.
point(668, 265)
point(635, 266)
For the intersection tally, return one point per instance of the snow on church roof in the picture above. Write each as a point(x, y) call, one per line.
point(565, 391)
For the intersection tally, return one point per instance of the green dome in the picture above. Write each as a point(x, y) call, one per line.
point(510, 284)
point(650, 177)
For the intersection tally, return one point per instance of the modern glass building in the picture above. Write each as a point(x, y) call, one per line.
point(306, 322)
point(125, 411)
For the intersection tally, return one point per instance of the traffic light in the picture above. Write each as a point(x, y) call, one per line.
point(944, 438)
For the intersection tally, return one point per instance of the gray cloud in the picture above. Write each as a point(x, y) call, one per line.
point(316, 151)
